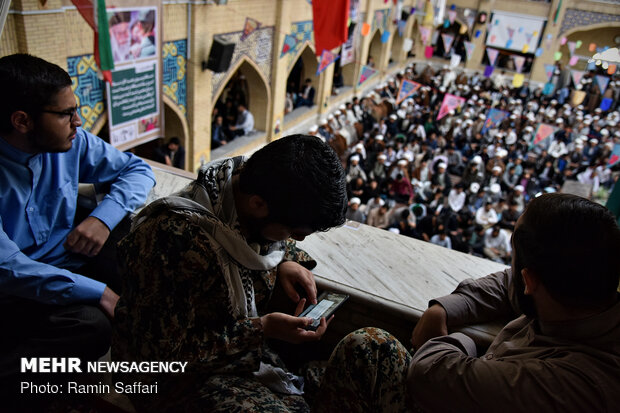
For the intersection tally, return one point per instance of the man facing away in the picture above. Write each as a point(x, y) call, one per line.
point(50, 305)
point(200, 267)
point(561, 352)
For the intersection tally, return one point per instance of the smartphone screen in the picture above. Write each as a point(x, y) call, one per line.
point(327, 304)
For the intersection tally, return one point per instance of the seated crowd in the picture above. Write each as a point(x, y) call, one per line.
point(453, 181)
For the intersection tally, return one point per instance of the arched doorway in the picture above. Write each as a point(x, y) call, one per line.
point(245, 85)
point(304, 68)
point(397, 54)
point(374, 50)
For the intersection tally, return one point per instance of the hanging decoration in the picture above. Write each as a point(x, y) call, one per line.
point(407, 88)
point(366, 73)
point(250, 26)
point(327, 58)
point(450, 102)
point(290, 42)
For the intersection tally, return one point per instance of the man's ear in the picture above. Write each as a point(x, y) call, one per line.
point(21, 121)
point(258, 207)
point(531, 281)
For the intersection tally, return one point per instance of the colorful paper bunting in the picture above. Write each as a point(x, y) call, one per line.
point(602, 82)
point(365, 29)
point(526, 48)
point(543, 132)
point(614, 158)
point(428, 52)
point(492, 54)
point(576, 75)
point(455, 59)
point(606, 104)
point(469, 49)
point(407, 44)
point(450, 102)
point(611, 69)
point(385, 36)
point(447, 41)
point(517, 80)
point(592, 47)
point(250, 26)
point(528, 37)
point(571, 47)
point(511, 32)
point(327, 58)
point(509, 43)
point(494, 118)
point(539, 52)
point(557, 56)
point(478, 33)
point(573, 60)
point(452, 16)
point(578, 44)
point(470, 21)
point(488, 70)
point(519, 61)
point(290, 42)
point(548, 89)
point(425, 34)
point(563, 41)
point(577, 97)
point(549, 69)
point(366, 73)
point(401, 27)
point(407, 88)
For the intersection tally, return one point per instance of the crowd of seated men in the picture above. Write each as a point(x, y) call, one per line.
point(453, 181)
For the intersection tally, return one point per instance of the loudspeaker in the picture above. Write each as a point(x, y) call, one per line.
point(219, 57)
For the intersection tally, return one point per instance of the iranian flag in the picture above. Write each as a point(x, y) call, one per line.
point(94, 12)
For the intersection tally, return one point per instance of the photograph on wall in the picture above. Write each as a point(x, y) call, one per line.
point(133, 33)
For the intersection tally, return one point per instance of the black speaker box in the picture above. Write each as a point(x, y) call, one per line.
point(220, 56)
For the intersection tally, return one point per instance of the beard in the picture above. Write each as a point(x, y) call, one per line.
point(524, 301)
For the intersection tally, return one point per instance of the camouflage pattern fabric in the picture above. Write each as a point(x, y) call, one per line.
point(174, 307)
point(366, 373)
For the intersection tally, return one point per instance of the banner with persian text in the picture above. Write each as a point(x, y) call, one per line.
point(134, 97)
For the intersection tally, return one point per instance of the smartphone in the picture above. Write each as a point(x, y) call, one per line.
point(327, 304)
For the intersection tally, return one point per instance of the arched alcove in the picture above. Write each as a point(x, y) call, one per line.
point(244, 85)
point(397, 54)
point(305, 67)
point(374, 49)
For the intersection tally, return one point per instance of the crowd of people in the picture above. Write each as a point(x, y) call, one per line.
point(455, 182)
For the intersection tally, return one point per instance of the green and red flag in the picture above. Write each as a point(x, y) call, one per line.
point(94, 12)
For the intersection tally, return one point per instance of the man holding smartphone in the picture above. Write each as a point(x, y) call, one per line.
point(200, 267)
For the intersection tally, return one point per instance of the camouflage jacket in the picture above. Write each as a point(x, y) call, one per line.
point(174, 304)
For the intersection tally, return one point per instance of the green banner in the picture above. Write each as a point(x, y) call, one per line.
point(133, 93)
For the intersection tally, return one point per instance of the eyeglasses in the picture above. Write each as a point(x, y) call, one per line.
point(69, 112)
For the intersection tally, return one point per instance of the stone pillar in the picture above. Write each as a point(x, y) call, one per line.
point(538, 68)
point(199, 89)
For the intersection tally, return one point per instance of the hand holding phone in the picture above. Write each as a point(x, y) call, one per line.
point(328, 303)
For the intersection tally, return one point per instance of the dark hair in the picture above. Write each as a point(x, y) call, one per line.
point(302, 181)
point(174, 140)
point(573, 245)
point(28, 83)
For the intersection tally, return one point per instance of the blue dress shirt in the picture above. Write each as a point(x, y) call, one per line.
point(38, 200)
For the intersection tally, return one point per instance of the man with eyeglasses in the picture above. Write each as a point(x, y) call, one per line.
point(50, 305)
